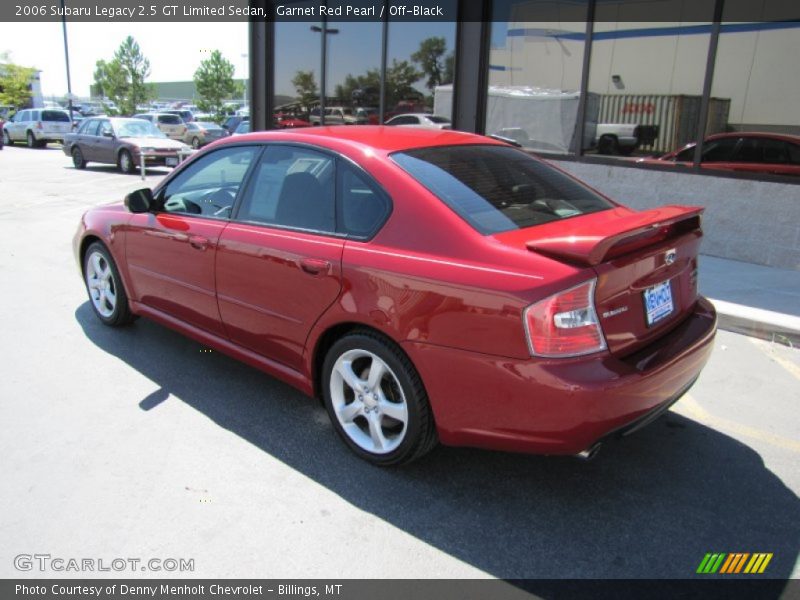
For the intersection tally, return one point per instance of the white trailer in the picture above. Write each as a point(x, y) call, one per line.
point(538, 118)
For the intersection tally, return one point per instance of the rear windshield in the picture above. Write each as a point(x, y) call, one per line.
point(437, 119)
point(170, 119)
point(496, 188)
point(55, 115)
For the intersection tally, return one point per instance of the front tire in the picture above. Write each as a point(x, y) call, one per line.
point(77, 158)
point(125, 162)
point(7, 141)
point(104, 285)
point(376, 400)
point(31, 140)
point(195, 143)
point(608, 145)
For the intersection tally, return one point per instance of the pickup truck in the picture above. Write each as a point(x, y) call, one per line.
point(623, 138)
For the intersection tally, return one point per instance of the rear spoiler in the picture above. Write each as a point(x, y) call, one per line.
point(591, 244)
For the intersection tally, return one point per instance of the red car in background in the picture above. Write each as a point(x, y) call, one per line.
point(752, 152)
point(427, 285)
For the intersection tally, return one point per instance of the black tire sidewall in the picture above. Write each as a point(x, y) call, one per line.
point(195, 145)
point(78, 163)
point(414, 404)
point(30, 140)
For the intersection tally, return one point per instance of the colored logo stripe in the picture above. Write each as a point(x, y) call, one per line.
point(734, 562)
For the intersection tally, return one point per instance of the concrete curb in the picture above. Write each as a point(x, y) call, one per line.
point(756, 322)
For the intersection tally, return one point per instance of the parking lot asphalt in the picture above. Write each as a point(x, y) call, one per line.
point(138, 442)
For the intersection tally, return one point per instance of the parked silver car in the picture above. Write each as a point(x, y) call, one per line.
point(37, 126)
point(172, 125)
point(420, 120)
point(200, 133)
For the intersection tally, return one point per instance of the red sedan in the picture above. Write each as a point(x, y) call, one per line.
point(427, 285)
point(749, 152)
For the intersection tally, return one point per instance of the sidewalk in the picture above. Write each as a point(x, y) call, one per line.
point(758, 301)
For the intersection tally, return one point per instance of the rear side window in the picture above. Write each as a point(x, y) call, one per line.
point(55, 115)
point(363, 206)
point(169, 119)
point(89, 127)
point(496, 188)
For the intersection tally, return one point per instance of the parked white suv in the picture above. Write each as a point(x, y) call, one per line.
point(37, 126)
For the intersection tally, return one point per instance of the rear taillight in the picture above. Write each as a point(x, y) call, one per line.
point(565, 324)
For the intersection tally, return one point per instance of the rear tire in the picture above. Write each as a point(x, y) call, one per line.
point(31, 140)
point(376, 400)
point(195, 143)
point(77, 158)
point(104, 286)
point(125, 162)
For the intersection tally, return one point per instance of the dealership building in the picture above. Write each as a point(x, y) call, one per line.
point(576, 80)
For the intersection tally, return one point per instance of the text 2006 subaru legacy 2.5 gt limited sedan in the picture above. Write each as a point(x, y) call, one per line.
point(427, 285)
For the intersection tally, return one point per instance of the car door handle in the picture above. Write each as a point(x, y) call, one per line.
point(198, 242)
point(313, 266)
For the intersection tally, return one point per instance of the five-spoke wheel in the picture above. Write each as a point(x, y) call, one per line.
point(109, 301)
point(376, 400)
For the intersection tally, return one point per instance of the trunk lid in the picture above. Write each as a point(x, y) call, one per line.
point(646, 266)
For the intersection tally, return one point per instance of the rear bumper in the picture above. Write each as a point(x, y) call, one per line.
point(154, 159)
point(560, 406)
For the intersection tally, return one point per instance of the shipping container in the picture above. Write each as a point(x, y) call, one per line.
point(675, 116)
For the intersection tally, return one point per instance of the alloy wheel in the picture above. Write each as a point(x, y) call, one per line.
point(368, 401)
point(101, 284)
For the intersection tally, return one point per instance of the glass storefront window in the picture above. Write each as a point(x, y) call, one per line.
point(758, 76)
point(535, 66)
point(420, 67)
point(646, 76)
point(297, 71)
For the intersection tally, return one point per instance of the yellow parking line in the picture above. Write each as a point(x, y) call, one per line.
point(689, 407)
point(766, 348)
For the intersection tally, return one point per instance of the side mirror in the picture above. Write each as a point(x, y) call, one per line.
point(140, 201)
point(108, 134)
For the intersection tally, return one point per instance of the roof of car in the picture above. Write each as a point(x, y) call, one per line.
point(388, 139)
point(757, 134)
point(413, 114)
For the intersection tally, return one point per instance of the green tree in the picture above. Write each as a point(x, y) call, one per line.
point(400, 78)
point(15, 83)
point(110, 81)
point(122, 79)
point(306, 87)
point(360, 90)
point(136, 69)
point(215, 84)
point(431, 60)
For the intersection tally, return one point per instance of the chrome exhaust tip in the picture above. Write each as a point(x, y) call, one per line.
point(589, 453)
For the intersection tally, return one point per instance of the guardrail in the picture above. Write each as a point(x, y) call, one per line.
point(182, 155)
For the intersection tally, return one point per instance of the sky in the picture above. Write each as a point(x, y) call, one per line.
point(176, 49)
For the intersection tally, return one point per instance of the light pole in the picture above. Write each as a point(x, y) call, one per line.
point(66, 57)
point(324, 31)
point(246, 78)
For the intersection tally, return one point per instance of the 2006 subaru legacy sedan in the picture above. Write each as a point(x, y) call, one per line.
point(427, 285)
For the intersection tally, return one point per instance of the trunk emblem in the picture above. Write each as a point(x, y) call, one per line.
point(670, 256)
point(616, 311)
